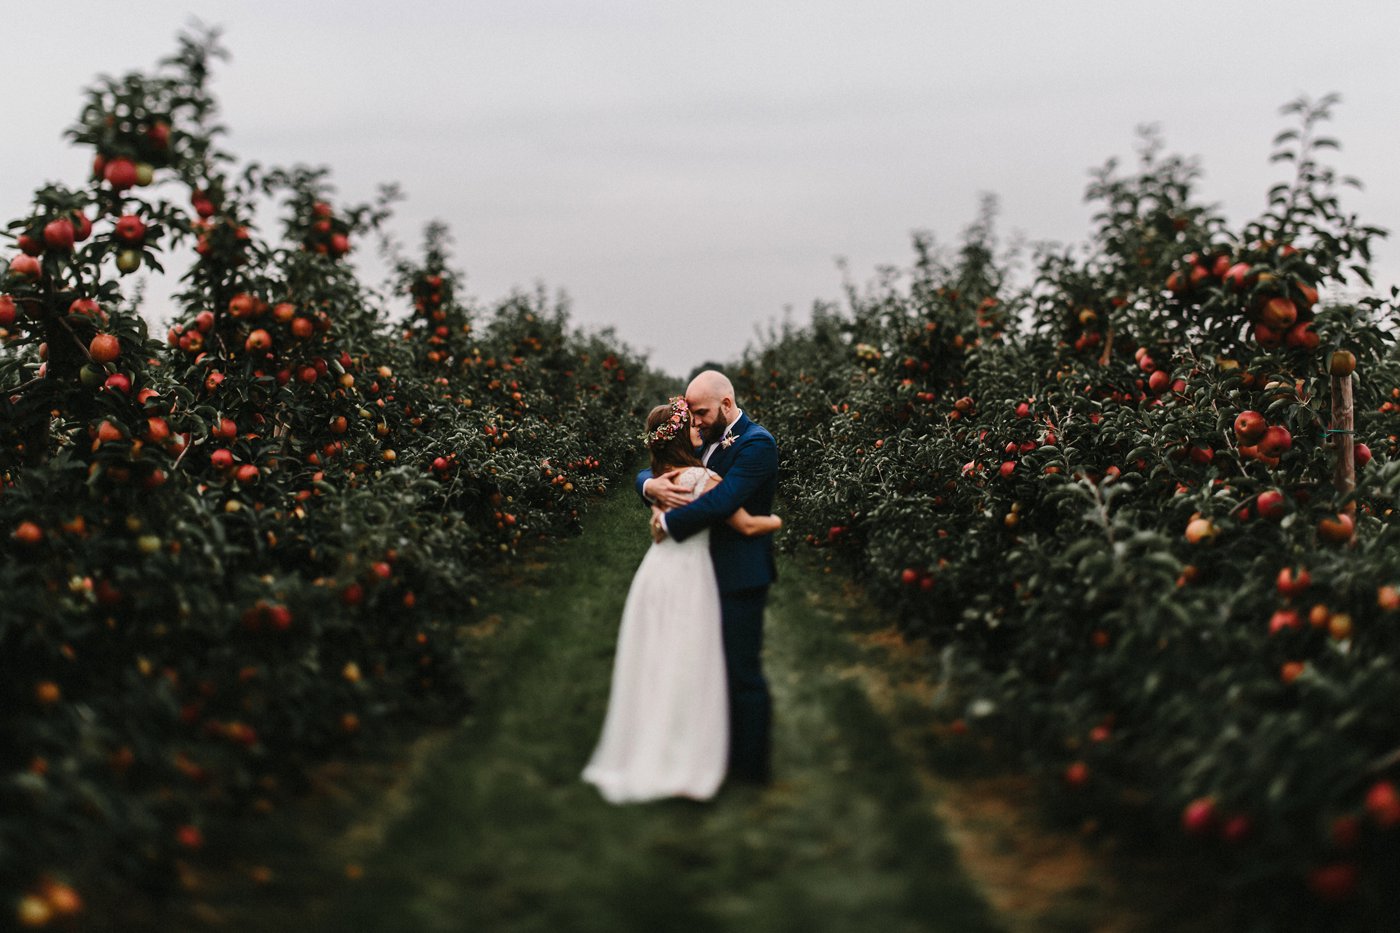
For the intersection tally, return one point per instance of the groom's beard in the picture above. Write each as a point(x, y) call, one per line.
point(713, 433)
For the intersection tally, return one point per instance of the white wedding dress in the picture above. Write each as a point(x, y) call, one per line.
point(666, 733)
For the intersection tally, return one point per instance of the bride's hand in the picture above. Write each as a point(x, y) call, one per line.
point(665, 491)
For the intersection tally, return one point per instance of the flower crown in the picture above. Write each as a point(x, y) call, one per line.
point(667, 430)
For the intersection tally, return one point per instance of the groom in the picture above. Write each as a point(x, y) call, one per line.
point(746, 455)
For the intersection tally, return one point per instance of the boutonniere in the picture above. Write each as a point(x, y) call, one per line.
point(727, 440)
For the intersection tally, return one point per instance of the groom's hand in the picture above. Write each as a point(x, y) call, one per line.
point(664, 491)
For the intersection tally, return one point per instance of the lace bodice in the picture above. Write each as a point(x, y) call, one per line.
point(695, 479)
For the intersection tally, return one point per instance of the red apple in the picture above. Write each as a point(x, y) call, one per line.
point(1278, 313)
point(1383, 804)
point(59, 235)
point(130, 230)
point(120, 173)
point(1292, 583)
point(1282, 619)
point(1275, 441)
point(1237, 276)
point(1250, 427)
point(1302, 335)
point(1336, 529)
point(1199, 816)
point(105, 348)
point(25, 267)
point(1271, 505)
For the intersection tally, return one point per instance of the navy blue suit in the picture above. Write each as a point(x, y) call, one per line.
point(744, 568)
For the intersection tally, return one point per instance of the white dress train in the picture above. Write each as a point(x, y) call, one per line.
point(666, 733)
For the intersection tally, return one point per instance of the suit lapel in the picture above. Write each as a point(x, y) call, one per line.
point(720, 459)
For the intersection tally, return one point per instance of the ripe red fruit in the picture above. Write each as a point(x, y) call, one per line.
point(1198, 818)
point(1302, 335)
point(82, 227)
point(1335, 882)
point(189, 837)
point(1336, 529)
point(1077, 774)
point(28, 533)
point(1282, 619)
point(59, 234)
point(159, 134)
point(1159, 381)
point(88, 307)
point(1250, 427)
point(26, 267)
point(908, 577)
point(118, 382)
point(1383, 804)
point(246, 473)
point(352, 595)
point(105, 348)
point(120, 173)
point(1237, 829)
point(1007, 468)
point(1292, 582)
point(221, 459)
point(1200, 529)
point(258, 340)
point(1237, 276)
point(1361, 454)
point(1267, 336)
point(1275, 441)
point(8, 311)
point(1271, 505)
point(340, 244)
point(1278, 313)
point(129, 230)
point(1346, 832)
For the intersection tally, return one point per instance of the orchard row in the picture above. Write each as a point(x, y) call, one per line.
point(1109, 497)
point(253, 541)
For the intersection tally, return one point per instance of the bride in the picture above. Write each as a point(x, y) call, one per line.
point(666, 733)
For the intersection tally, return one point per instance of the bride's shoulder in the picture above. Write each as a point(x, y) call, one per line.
point(696, 476)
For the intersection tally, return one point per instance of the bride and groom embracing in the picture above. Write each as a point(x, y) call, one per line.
point(688, 700)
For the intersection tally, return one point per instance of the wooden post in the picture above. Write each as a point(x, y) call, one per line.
point(1344, 467)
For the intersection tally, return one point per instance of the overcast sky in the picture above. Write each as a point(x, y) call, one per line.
point(686, 171)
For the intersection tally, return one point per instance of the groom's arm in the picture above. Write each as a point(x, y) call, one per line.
point(641, 483)
point(757, 463)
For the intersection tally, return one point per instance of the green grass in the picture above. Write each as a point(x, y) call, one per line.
point(498, 833)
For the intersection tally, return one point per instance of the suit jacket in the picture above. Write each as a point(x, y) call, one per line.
point(750, 470)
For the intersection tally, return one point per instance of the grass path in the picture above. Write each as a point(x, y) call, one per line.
point(504, 837)
point(492, 829)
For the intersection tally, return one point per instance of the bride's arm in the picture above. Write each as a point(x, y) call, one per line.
point(746, 523)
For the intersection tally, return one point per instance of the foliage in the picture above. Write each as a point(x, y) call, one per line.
point(235, 552)
point(1051, 484)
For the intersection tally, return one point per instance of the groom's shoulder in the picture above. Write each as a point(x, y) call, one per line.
point(756, 432)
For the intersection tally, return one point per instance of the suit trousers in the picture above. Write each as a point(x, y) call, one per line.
point(750, 706)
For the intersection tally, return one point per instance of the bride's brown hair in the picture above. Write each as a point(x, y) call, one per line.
point(669, 454)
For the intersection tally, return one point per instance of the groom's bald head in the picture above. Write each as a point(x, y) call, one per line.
point(710, 397)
